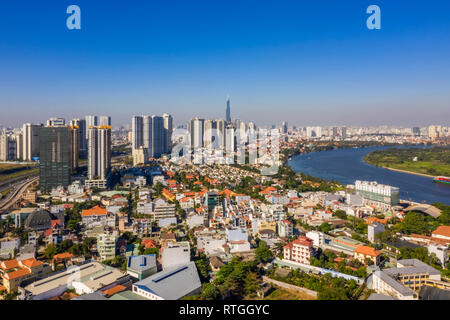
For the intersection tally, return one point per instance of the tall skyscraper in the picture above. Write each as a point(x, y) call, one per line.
point(105, 121)
point(99, 152)
point(251, 127)
point(55, 157)
point(243, 132)
point(149, 132)
point(335, 132)
point(75, 146)
point(229, 139)
point(137, 130)
point(221, 133)
point(8, 147)
point(197, 132)
point(30, 134)
point(158, 137)
point(435, 132)
point(168, 129)
point(228, 111)
point(416, 131)
point(284, 127)
point(91, 121)
point(209, 127)
point(344, 132)
point(82, 134)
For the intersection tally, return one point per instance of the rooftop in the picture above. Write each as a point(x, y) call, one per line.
point(95, 211)
point(172, 284)
point(442, 231)
point(142, 262)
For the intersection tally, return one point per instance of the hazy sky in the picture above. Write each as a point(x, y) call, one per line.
point(306, 62)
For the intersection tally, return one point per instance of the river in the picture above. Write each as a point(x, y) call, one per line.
point(347, 165)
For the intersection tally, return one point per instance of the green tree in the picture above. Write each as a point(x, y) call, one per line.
point(263, 253)
point(325, 227)
point(209, 291)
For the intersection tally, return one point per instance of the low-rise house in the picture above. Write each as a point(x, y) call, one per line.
point(364, 252)
point(166, 222)
point(236, 234)
point(442, 232)
point(211, 245)
point(14, 272)
point(238, 246)
point(9, 247)
point(216, 263)
point(194, 220)
point(64, 258)
point(187, 203)
point(97, 216)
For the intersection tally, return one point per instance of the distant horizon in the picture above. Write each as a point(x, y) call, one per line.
point(181, 123)
point(310, 64)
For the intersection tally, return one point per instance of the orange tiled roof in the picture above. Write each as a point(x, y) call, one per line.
point(64, 255)
point(31, 263)
point(442, 231)
point(95, 211)
point(9, 264)
point(16, 274)
point(375, 219)
point(227, 192)
point(148, 243)
point(303, 241)
point(367, 251)
point(116, 289)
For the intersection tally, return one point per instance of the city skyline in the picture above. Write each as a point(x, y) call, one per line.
point(293, 61)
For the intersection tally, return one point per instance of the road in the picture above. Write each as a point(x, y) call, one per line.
point(16, 193)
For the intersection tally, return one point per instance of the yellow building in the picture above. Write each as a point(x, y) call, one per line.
point(14, 272)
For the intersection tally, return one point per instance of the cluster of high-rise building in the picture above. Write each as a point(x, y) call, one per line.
point(222, 134)
point(151, 136)
point(58, 148)
point(435, 132)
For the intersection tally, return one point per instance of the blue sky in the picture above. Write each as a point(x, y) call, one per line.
point(306, 62)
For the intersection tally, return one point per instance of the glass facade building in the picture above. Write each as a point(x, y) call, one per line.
point(55, 157)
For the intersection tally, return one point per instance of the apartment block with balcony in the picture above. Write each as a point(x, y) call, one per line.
point(300, 250)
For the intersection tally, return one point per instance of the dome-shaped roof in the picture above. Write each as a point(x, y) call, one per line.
point(39, 220)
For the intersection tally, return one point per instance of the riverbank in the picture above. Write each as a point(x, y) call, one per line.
point(428, 162)
point(410, 172)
